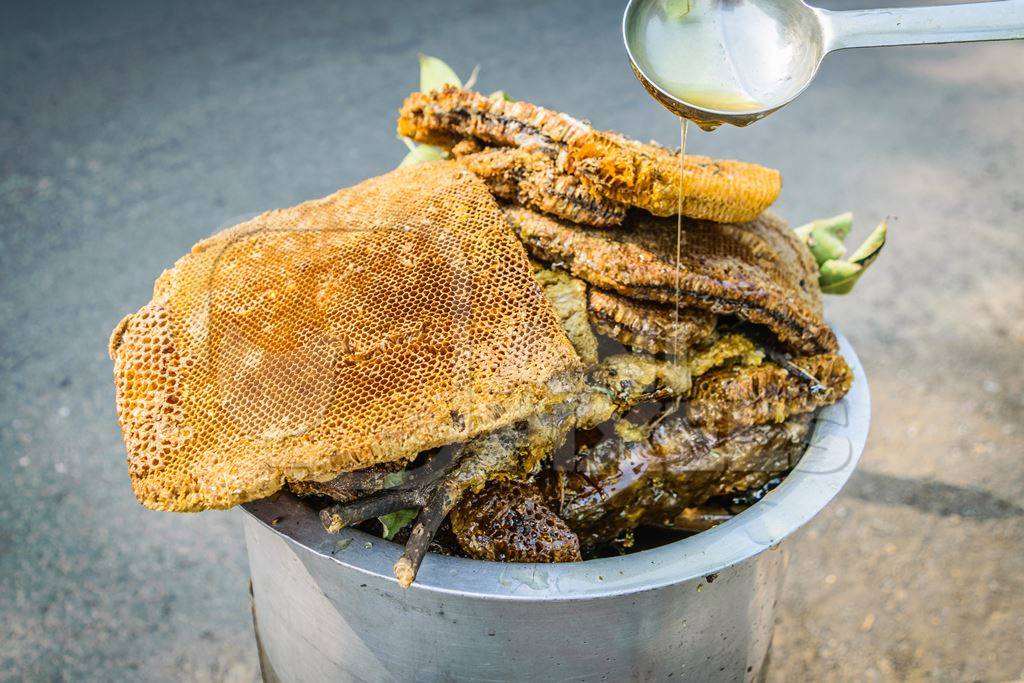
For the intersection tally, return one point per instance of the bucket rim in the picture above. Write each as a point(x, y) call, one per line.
point(835, 447)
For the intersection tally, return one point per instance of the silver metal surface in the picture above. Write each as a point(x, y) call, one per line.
point(774, 48)
point(327, 607)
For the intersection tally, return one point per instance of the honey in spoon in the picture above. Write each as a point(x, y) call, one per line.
point(683, 46)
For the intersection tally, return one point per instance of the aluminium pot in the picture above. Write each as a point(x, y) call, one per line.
point(327, 607)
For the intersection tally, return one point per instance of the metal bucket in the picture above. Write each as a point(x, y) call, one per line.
point(327, 607)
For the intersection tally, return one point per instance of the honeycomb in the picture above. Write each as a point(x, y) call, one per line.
point(725, 400)
point(510, 522)
point(385, 319)
point(597, 171)
point(648, 176)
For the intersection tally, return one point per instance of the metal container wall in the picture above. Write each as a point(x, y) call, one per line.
point(327, 607)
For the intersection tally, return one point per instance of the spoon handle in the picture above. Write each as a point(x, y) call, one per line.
point(968, 22)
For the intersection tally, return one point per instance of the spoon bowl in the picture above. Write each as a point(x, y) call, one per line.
point(736, 61)
point(723, 61)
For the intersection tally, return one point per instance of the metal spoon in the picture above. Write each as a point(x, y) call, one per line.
point(736, 61)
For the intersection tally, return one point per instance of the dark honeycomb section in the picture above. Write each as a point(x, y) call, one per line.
point(511, 522)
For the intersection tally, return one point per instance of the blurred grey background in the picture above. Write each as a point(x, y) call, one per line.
point(129, 130)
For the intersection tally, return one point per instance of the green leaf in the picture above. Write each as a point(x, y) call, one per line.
point(471, 81)
point(839, 226)
point(394, 522)
point(435, 74)
point(675, 9)
point(825, 246)
point(392, 479)
point(500, 95)
point(421, 153)
point(868, 251)
point(836, 226)
point(839, 277)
